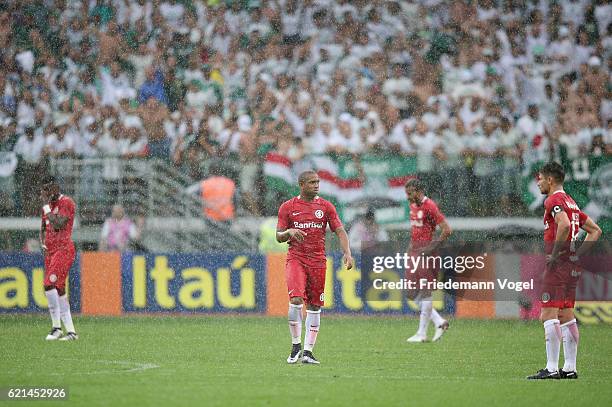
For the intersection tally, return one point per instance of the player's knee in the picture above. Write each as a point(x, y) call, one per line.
point(296, 300)
point(549, 313)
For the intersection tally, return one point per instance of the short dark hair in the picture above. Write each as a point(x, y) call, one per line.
point(555, 170)
point(415, 183)
point(305, 174)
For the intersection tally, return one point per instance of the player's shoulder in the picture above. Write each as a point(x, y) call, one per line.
point(430, 204)
point(560, 198)
point(324, 203)
point(67, 200)
point(287, 203)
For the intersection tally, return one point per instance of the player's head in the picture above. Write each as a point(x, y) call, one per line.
point(50, 188)
point(550, 176)
point(414, 190)
point(309, 184)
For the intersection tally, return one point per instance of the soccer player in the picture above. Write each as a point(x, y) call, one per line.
point(562, 220)
point(425, 217)
point(302, 222)
point(59, 252)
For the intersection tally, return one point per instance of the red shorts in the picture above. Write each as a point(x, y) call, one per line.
point(559, 284)
point(305, 282)
point(57, 266)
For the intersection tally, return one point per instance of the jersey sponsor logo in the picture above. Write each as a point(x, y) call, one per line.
point(416, 223)
point(319, 213)
point(307, 225)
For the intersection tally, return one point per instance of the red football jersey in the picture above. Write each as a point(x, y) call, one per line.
point(558, 202)
point(424, 218)
point(313, 218)
point(57, 240)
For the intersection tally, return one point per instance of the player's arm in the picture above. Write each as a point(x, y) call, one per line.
point(41, 236)
point(283, 232)
point(445, 232)
point(593, 234)
point(285, 235)
point(346, 247)
point(57, 220)
point(563, 229)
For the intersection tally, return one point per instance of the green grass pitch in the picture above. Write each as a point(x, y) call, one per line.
point(236, 361)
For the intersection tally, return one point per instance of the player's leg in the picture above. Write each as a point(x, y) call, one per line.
point(551, 300)
point(440, 323)
point(296, 287)
point(415, 295)
point(52, 300)
point(425, 303)
point(552, 333)
point(61, 264)
point(569, 332)
point(315, 288)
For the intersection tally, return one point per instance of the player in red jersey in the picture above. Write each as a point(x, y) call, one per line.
point(425, 217)
point(302, 222)
point(59, 253)
point(562, 221)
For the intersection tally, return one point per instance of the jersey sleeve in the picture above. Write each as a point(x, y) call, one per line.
point(332, 217)
point(554, 206)
point(283, 217)
point(435, 214)
point(582, 218)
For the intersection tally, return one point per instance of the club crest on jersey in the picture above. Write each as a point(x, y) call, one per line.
point(545, 297)
point(319, 214)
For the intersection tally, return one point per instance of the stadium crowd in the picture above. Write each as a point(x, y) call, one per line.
point(475, 90)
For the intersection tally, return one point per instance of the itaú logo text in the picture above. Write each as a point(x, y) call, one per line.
point(307, 225)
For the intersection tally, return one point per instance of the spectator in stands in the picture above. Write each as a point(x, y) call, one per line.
point(119, 232)
point(218, 194)
point(153, 86)
point(305, 65)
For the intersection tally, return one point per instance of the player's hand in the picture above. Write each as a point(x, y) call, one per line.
point(552, 260)
point(348, 261)
point(297, 234)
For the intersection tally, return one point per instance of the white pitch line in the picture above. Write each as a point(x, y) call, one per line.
point(135, 367)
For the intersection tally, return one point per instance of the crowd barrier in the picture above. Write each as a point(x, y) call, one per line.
point(116, 284)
